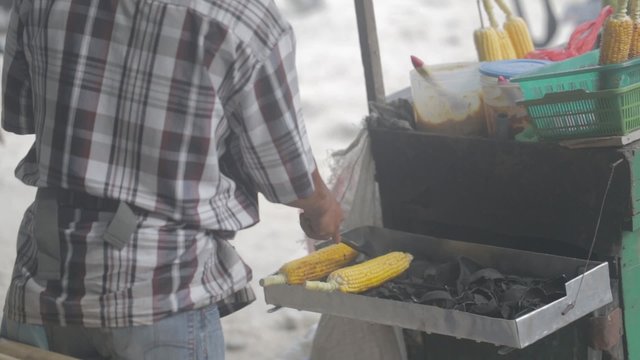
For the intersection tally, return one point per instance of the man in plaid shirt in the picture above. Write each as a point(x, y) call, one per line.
point(156, 124)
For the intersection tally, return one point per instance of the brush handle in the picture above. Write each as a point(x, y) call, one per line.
point(418, 64)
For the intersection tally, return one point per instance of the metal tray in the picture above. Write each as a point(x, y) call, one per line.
point(594, 293)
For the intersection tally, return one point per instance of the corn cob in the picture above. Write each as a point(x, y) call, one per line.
point(507, 52)
point(506, 47)
point(314, 266)
point(366, 275)
point(616, 37)
point(517, 30)
point(487, 44)
point(634, 10)
point(487, 41)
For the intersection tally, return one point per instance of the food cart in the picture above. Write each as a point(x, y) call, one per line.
point(531, 208)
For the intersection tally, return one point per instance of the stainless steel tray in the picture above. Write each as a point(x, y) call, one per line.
point(519, 333)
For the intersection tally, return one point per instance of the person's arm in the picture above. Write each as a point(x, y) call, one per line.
point(322, 214)
point(17, 103)
point(274, 149)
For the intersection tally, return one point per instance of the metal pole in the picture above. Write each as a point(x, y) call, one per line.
point(369, 50)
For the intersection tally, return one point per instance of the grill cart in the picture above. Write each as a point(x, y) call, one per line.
point(528, 209)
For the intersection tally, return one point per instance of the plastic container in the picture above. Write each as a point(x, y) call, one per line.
point(582, 114)
point(450, 100)
point(505, 117)
point(580, 72)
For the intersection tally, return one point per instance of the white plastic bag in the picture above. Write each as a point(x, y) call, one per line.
point(353, 184)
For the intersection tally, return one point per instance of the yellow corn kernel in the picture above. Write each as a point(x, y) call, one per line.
point(634, 47)
point(487, 44)
point(517, 30)
point(520, 37)
point(366, 275)
point(616, 37)
point(506, 47)
point(314, 266)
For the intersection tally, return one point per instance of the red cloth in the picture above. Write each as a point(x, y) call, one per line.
point(582, 40)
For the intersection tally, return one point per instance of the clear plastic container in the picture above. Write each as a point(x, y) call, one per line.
point(450, 100)
point(505, 118)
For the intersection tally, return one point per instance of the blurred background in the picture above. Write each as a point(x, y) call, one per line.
point(334, 103)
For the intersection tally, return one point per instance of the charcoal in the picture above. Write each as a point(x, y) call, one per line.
point(465, 285)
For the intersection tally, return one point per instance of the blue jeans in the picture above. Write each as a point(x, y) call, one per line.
point(195, 334)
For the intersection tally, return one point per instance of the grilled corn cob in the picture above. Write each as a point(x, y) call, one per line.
point(507, 51)
point(517, 30)
point(616, 36)
point(366, 275)
point(314, 266)
point(634, 11)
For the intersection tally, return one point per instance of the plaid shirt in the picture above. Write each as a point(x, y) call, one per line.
point(184, 109)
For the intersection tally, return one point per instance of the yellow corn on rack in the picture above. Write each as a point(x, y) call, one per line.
point(487, 41)
point(634, 48)
point(517, 30)
point(507, 52)
point(366, 275)
point(314, 266)
point(616, 37)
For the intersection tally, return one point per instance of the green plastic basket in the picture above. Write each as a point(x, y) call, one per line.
point(578, 73)
point(582, 114)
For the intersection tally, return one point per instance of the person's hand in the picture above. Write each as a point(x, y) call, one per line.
point(321, 212)
point(323, 221)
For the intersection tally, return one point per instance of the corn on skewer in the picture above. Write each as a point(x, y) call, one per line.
point(507, 52)
point(634, 11)
point(314, 266)
point(366, 275)
point(616, 36)
point(487, 44)
point(518, 31)
point(487, 41)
